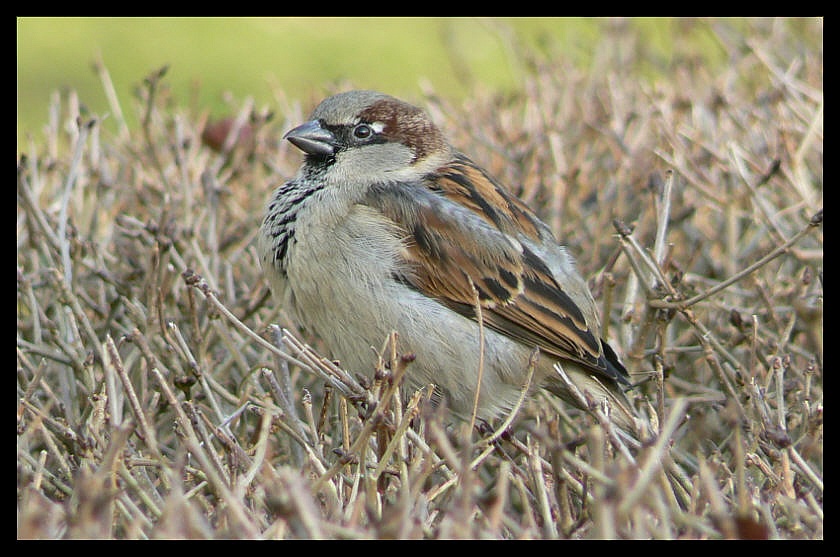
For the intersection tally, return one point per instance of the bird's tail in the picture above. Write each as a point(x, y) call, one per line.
point(587, 391)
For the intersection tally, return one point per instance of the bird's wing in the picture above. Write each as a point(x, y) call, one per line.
point(466, 241)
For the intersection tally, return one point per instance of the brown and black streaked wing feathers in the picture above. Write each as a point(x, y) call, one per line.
point(443, 219)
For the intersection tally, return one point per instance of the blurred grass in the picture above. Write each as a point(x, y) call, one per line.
point(210, 57)
point(241, 56)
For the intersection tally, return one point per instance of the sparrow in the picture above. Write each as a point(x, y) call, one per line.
point(387, 227)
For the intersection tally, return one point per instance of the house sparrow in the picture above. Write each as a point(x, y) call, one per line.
point(386, 228)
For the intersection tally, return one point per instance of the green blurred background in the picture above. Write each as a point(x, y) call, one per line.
point(211, 57)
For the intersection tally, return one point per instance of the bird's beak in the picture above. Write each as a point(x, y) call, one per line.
point(312, 139)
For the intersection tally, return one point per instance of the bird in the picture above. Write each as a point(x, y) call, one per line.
point(388, 227)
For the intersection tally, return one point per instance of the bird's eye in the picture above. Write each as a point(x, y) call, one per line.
point(362, 131)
